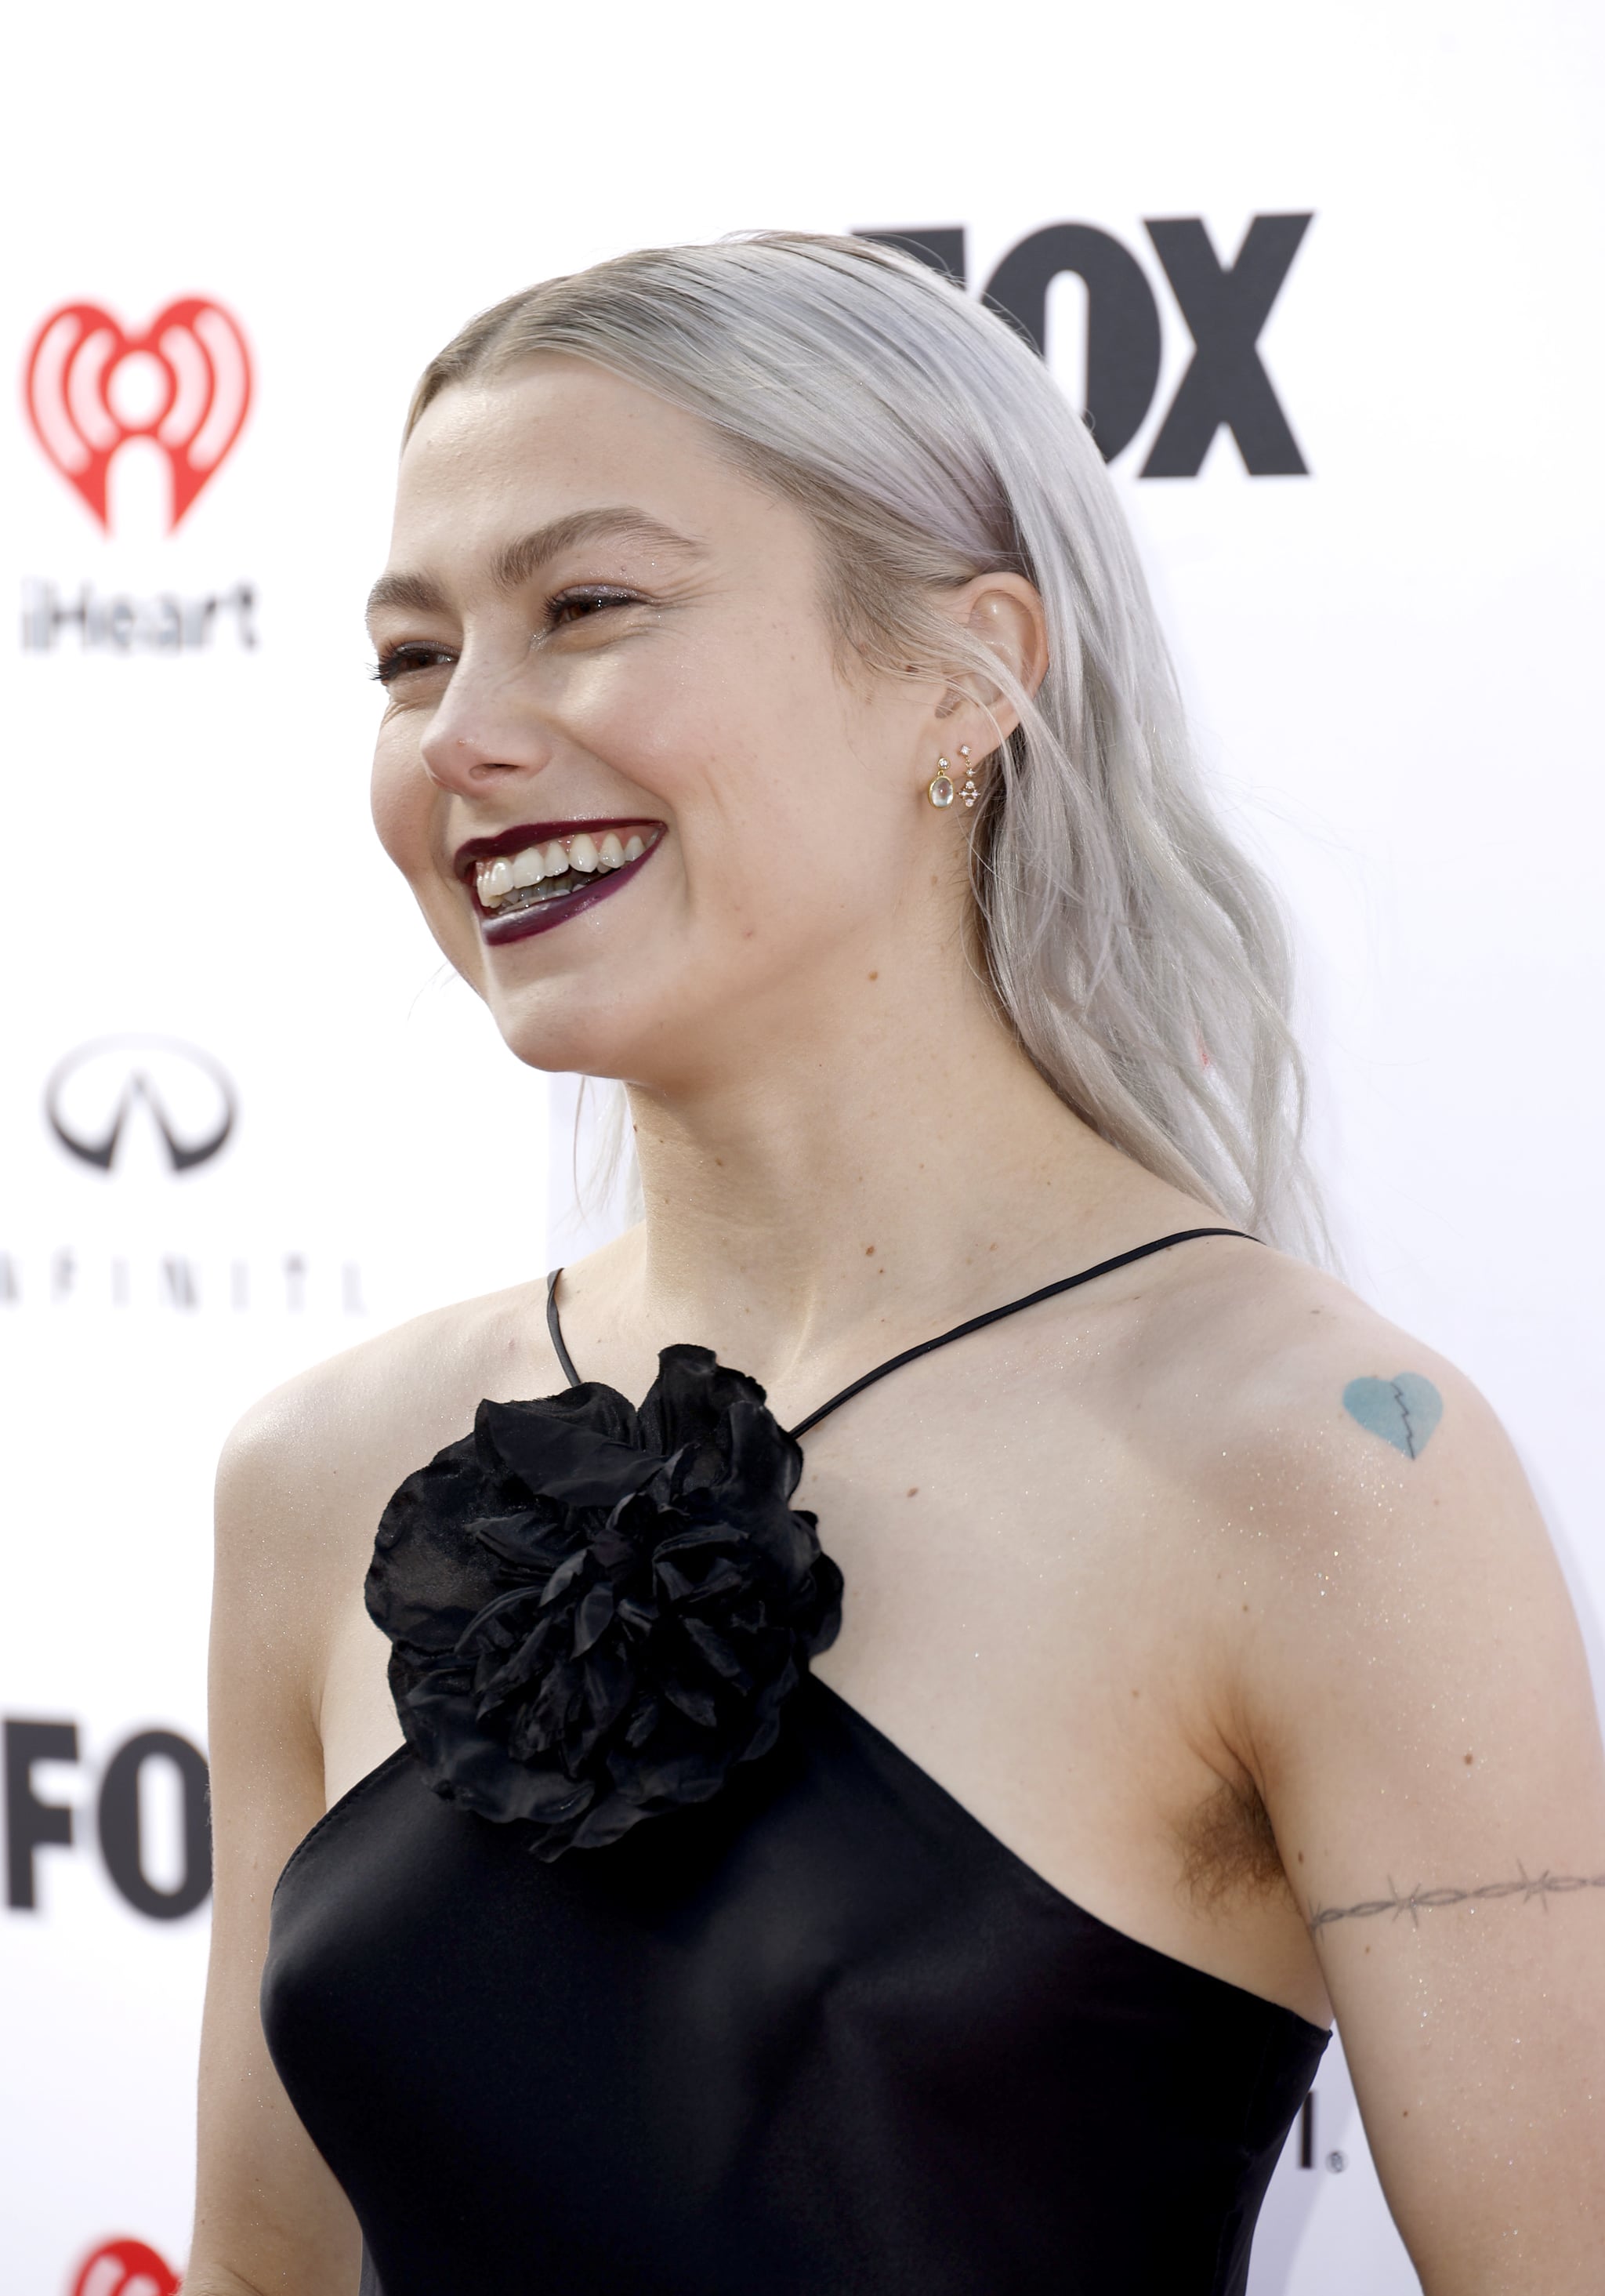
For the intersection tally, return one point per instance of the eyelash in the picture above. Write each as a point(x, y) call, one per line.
point(397, 660)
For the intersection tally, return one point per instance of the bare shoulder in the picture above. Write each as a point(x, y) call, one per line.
point(422, 1378)
point(1363, 1517)
point(307, 1469)
point(1281, 1394)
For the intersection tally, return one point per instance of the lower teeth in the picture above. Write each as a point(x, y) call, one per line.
point(550, 889)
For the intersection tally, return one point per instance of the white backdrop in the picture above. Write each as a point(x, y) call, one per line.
point(1384, 655)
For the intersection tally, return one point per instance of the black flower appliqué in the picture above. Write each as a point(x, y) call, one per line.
point(595, 1612)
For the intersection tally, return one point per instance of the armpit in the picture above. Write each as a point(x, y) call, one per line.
point(1229, 1851)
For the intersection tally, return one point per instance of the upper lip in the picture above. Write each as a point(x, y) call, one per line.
point(468, 855)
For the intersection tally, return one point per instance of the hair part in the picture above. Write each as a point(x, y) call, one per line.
point(1140, 958)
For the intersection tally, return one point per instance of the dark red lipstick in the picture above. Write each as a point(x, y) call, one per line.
point(541, 912)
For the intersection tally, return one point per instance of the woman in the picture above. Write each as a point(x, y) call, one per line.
point(775, 720)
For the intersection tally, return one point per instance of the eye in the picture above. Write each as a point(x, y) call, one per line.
point(583, 605)
point(401, 660)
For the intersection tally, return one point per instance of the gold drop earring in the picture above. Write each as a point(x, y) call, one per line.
point(969, 791)
point(939, 790)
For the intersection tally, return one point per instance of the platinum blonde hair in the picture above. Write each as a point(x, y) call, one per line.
point(1138, 957)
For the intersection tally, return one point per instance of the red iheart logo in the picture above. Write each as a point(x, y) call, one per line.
point(185, 382)
point(126, 2268)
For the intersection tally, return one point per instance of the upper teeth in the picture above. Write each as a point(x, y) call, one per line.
point(494, 880)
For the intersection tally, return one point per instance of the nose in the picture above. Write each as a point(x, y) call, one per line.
point(482, 734)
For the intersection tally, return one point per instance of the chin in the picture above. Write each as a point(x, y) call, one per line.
point(566, 1037)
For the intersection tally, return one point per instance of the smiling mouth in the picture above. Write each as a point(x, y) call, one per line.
point(541, 883)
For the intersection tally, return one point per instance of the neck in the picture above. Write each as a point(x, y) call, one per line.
point(902, 1167)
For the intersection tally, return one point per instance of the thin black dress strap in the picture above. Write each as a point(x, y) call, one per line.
point(556, 1330)
point(996, 1315)
point(943, 1338)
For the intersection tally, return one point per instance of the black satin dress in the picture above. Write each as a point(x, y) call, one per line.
point(789, 2023)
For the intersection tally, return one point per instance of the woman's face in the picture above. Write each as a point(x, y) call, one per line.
point(601, 644)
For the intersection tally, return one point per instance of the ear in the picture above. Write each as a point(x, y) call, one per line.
point(1006, 613)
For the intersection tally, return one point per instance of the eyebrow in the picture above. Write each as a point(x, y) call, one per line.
point(518, 563)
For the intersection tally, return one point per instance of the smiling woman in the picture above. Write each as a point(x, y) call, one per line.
point(944, 1882)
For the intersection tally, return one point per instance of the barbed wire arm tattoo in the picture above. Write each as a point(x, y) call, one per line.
point(1417, 1901)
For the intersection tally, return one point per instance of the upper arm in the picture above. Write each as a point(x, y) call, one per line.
point(1418, 1704)
point(269, 2215)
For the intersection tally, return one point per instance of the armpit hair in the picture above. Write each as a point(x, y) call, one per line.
point(1229, 1849)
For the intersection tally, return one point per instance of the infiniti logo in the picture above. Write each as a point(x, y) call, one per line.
point(97, 1092)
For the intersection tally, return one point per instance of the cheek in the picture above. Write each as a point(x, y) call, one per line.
point(402, 800)
point(399, 798)
point(737, 740)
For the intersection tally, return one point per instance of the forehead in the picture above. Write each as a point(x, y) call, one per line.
point(555, 438)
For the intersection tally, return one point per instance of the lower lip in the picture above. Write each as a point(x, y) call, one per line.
point(543, 916)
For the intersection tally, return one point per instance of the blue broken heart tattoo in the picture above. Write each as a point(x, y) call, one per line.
point(1402, 1410)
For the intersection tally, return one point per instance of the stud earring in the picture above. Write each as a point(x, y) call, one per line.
point(939, 790)
point(969, 791)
